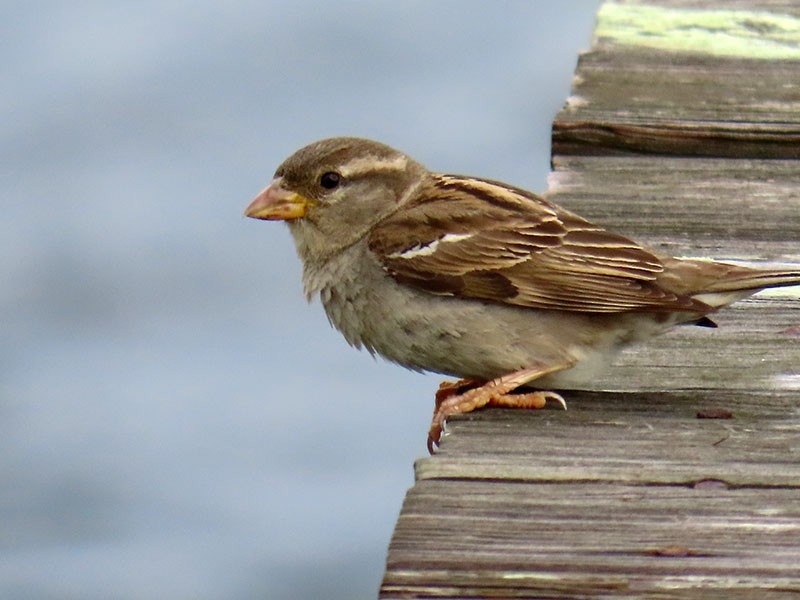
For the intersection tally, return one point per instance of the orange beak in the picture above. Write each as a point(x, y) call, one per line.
point(275, 203)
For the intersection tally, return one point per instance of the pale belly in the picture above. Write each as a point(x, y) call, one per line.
point(470, 338)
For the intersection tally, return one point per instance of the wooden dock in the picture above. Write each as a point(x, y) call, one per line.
point(679, 477)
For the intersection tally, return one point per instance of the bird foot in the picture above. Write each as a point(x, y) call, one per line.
point(451, 400)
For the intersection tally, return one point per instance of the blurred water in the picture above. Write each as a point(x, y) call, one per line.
point(175, 421)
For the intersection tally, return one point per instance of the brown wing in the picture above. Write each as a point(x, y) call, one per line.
point(485, 240)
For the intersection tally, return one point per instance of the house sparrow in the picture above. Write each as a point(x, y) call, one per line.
point(478, 279)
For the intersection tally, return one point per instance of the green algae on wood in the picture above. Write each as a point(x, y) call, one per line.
point(719, 32)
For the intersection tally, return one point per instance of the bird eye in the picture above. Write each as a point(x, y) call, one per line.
point(330, 180)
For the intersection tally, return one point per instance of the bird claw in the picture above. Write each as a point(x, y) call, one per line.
point(433, 440)
point(449, 402)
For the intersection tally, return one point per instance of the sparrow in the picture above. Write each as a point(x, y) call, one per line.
point(478, 279)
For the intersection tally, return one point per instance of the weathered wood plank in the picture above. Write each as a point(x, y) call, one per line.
point(656, 439)
point(516, 540)
point(727, 209)
point(674, 78)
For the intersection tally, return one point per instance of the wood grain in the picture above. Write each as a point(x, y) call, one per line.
point(631, 98)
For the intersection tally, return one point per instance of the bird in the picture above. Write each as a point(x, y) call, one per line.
point(479, 280)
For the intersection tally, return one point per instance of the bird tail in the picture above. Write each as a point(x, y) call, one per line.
point(755, 279)
point(719, 284)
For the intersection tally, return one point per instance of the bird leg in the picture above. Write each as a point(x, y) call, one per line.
point(496, 392)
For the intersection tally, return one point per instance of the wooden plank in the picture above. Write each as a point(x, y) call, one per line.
point(516, 540)
point(727, 209)
point(650, 439)
point(677, 78)
point(630, 493)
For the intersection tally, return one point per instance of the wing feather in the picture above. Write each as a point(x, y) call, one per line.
point(482, 239)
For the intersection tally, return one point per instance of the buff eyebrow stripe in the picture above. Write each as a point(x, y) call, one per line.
point(464, 186)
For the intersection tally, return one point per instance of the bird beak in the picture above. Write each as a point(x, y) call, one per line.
point(275, 203)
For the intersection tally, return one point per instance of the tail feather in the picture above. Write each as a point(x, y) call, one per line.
point(719, 284)
point(754, 279)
